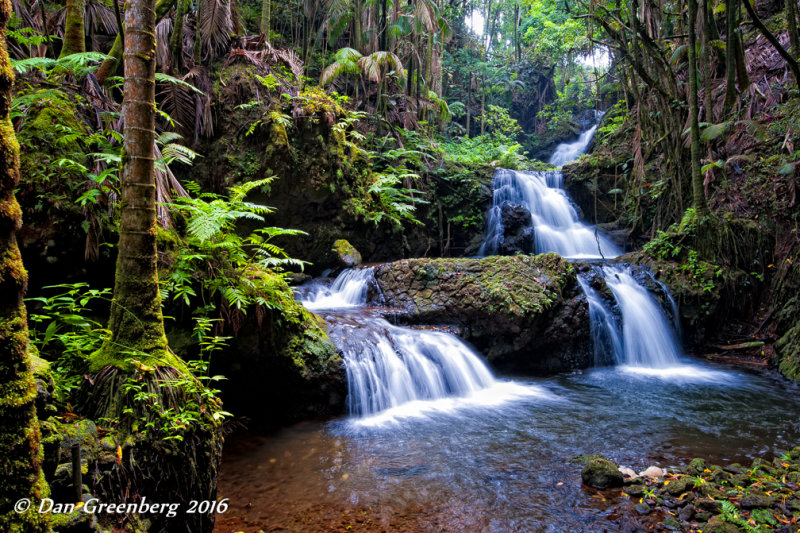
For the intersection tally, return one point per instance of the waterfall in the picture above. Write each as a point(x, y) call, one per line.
point(641, 337)
point(349, 289)
point(606, 335)
point(557, 227)
point(569, 152)
point(389, 366)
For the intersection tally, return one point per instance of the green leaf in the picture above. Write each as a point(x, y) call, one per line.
point(713, 131)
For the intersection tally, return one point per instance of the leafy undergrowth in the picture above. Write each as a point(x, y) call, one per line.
point(714, 499)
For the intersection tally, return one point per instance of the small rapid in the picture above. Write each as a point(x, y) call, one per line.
point(349, 289)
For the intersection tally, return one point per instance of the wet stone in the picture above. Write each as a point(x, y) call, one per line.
point(635, 490)
point(672, 524)
point(687, 513)
point(642, 508)
point(681, 485)
point(756, 500)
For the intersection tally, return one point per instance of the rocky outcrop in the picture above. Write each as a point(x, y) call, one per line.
point(526, 314)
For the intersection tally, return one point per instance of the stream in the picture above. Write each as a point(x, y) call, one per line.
point(436, 442)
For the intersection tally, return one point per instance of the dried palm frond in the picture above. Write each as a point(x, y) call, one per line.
point(203, 116)
point(378, 64)
point(163, 32)
point(167, 185)
point(179, 103)
point(216, 26)
point(425, 16)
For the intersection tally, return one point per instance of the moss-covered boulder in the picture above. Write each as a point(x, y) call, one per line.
point(526, 314)
point(346, 253)
point(281, 365)
point(601, 473)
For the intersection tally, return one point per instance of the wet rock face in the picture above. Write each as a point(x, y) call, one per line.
point(518, 232)
point(526, 314)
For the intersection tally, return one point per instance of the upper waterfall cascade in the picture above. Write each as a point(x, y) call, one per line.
point(569, 152)
point(556, 224)
point(557, 227)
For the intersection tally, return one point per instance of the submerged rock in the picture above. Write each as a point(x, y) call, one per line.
point(524, 313)
point(601, 473)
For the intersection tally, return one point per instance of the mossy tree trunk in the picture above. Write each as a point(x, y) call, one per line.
point(791, 19)
point(136, 324)
point(699, 197)
point(20, 452)
point(109, 66)
point(74, 31)
point(176, 39)
point(266, 17)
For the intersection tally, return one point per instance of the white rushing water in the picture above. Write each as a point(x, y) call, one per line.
point(401, 372)
point(639, 339)
point(647, 337)
point(349, 289)
point(557, 227)
point(389, 366)
point(569, 152)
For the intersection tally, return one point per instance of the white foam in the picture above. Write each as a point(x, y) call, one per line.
point(686, 372)
point(501, 393)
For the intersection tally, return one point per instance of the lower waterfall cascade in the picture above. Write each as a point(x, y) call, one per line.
point(389, 366)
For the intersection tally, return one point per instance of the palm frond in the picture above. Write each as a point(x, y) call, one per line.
point(216, 26)
point(163, 32)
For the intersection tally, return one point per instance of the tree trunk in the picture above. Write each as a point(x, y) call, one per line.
point(791, 18)
point(176, 39)
point(483, 105)
point(109, 66)
point(382, 28)
point(74, 31)
point(136, 324)
point(429, 62)
point(469, 101)
point(357, 25)
point(20, 450)
point(705, 59)
point(266, 16)
point(731, 25)
point(197, 50)
point(699, 198)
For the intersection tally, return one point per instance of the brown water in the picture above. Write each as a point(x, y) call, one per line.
point(502, 466)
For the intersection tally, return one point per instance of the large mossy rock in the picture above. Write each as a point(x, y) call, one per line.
point(282, 366)
point(526, 314)
point(346, 254)
point(600, 473)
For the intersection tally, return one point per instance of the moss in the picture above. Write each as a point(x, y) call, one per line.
point(523, 312)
